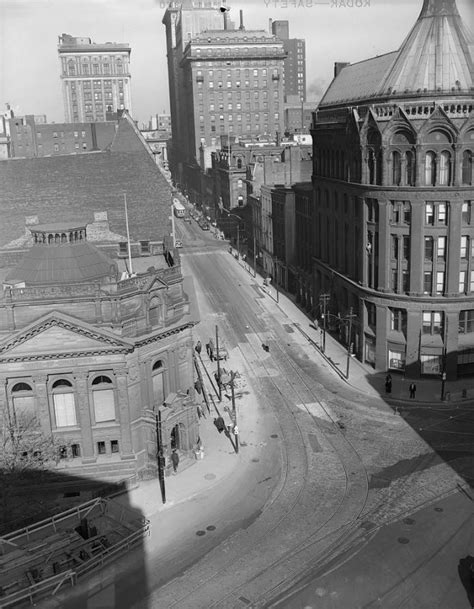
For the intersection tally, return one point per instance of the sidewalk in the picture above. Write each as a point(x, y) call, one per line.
point(362, 376)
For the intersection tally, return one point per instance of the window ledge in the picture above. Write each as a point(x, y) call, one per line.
point(105, 424)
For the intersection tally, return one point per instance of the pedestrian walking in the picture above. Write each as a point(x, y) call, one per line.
point(412, 390)
point(219, 423)
point(175, 460)
point(198, 347)
point(211, 350)
point(388, 383)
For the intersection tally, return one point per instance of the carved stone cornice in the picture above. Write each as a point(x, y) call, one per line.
point(114, 344)
point(35, 357)
point(165, 334)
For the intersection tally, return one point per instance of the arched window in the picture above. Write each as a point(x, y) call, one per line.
point(430, 169)
point(64, 403)
point(410, 168)
point(239, 163)
point(103, 399)
point(23, 401)
point(158, 383)
point(396, 168)
point(467, 167)
point(444, 169)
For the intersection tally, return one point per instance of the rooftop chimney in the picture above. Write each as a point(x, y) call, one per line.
point(339, 65)
point(241, 26)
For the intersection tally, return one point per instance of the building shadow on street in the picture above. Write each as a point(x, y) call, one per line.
point(447, 427)
point(59, 534)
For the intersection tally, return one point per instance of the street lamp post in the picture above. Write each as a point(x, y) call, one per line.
point(159, 455)
point(323, 299)
point(349, 341)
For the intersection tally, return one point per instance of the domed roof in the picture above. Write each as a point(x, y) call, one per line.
point(436, 54)
point(61, 258)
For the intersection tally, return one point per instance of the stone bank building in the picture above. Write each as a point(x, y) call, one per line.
point(92, 350)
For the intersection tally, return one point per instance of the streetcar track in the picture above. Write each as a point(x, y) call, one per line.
point(259, 326)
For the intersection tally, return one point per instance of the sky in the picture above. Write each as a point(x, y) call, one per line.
point(334, 30)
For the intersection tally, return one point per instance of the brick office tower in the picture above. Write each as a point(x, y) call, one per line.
point(95, 78)
point(295, 62)
point(394, 224)
point(229, 81)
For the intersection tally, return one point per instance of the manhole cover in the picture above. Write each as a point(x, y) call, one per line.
point(403, 540)
point(210, 476)
point(211, 527)
point(274, 435)
point(408, 521)
point(255, 460)
point(438, 509)
point(200, 533)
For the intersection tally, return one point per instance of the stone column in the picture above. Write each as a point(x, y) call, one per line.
point(456, 177)
point(417, 244)
point(3, 402)
point(454, 250)
point(43, 408)
point(382, 317)
point(419, 165)
point(126, 449)
point(84, 414)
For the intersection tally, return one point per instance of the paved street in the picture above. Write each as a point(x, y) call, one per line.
point(324, 466)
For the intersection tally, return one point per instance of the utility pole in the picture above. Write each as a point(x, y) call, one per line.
point(218, 364)
point(324, 299)
point(254, 253)
point(159, 455)
point(234, 412)
point(349, 341)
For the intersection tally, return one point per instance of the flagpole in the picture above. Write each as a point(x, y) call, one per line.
point(128, 235)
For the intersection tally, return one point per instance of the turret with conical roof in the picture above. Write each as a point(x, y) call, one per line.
point(435, 59)
point(435, 55)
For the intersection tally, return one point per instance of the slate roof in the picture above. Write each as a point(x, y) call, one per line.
point(359, 80)
point(436, 56)
point(73, 187)
point(62, 264)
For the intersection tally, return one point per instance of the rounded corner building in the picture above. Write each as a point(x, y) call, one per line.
point(393, 143)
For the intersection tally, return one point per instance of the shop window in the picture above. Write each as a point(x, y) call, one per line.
point(396, 360)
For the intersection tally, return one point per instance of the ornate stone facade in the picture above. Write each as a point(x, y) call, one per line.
point(394, 201)
point(92, 360)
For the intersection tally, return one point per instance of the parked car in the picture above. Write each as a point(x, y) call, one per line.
point(178, 243)
point(187, 219)
point(204, 226)
point(222, 354)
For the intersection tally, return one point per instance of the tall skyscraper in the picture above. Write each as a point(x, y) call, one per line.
point(95, 78)
point(222, 80)
point(295, 62)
